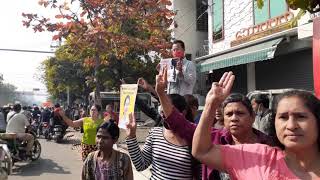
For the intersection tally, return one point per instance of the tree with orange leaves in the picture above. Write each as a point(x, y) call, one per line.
point(108, 29)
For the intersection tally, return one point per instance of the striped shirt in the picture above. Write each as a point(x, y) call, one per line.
point(168, 161)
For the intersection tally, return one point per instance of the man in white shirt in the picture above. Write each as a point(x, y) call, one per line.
point(182, 73)
point(16, 124)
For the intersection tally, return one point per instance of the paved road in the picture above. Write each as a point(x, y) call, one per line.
point(60, 162)
point(57, 162)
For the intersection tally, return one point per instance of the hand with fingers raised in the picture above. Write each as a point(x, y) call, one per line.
point(161, 81)
point(220, 90)
point(131, 126)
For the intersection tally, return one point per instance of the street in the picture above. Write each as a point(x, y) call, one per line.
point(59, 161)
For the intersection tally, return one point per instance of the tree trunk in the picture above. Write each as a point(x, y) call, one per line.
point(97, 97)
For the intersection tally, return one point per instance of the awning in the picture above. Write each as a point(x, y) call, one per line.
point(259, 52)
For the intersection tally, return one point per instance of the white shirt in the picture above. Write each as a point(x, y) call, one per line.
point(17, 123)
point(185, 84)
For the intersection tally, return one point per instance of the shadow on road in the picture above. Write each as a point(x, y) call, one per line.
point(36, 168)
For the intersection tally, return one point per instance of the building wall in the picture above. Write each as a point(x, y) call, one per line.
point(237, 15)
point(186, 29)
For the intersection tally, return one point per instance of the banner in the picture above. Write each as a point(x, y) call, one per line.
point(128, 93)
point(316, 56)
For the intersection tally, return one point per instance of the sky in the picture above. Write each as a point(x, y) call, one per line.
point(20, 68)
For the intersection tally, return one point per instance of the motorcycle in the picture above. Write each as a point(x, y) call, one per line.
point(58, 133)
point(17, 147)
point(45, 130)
point(36, 126)
point(5, 160)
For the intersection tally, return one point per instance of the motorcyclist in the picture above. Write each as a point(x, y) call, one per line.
point(36, 113)
point(26, 113)
point(16, 124)
point(56, 119)
point(45, 115)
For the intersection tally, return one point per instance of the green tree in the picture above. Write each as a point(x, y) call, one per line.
point(7, 92)
point(104, 30)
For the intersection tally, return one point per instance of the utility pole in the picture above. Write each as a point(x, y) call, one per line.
point(68, 96)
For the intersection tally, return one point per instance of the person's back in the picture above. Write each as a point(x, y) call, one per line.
point(45, 116)
point(3, 123)
point(10, 115)
point(17, 123)
point(167, 153)
point(168, 160)
point(36, 113)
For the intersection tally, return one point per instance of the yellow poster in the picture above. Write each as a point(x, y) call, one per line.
point(128, 93)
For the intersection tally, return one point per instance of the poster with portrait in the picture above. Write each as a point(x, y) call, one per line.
point(128, 93)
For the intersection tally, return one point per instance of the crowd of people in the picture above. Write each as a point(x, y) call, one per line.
point(234, 137)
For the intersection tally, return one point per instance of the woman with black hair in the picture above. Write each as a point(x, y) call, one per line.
point(90, 125)
point(297, 120)
point(238, 119)
point(167, 153)
point(107, 163)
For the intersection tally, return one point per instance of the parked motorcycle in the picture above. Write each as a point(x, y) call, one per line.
point(17, 147)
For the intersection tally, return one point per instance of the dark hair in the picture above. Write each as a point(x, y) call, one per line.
point(127, 97)
point(178, 102)
point(111, 127)
point(57, 105)
point(261, 99)
point(179, 42)
point(310, 101)
point(97, 106)
point(237, 97)
point(17, 107)
point(191, 102)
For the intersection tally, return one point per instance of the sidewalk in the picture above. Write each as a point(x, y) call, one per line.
point(76, 137)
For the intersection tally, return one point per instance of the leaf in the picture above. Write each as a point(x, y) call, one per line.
point(56, 37)
point(260, 3)
point(59, 16)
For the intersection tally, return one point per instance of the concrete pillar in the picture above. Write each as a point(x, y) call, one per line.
point(251, 77)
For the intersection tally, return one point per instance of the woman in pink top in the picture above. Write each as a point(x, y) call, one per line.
point(297, 122)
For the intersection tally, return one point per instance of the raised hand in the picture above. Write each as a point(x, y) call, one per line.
point(123, 81)
point(161, 81)
point(143, 83)
point(220, 90)
point(158, 67)
point(131, 126)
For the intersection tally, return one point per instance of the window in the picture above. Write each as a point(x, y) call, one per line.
point(270, 9)
point(217, 20)
point(202, 16)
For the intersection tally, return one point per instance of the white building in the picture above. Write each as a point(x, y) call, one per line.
point(191, 26)
point(259, 45)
